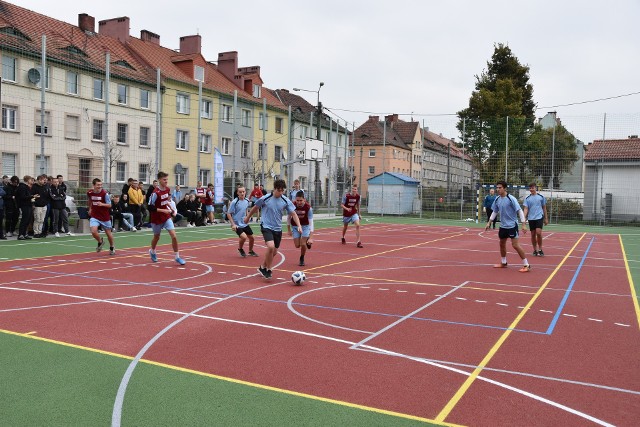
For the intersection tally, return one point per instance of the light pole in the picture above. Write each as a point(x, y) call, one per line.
point(316, 182)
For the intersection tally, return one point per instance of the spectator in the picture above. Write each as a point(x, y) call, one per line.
point(58, 208)
point(24, 203)
point(2, 194)
point(176, 196)
point(64, 223)
point(11, 211)
point(40, 196)
point(183, 209)
point(127, 186)
point(119, 213)
point(136, 199)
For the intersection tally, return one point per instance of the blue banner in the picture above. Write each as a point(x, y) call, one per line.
point(218, 177)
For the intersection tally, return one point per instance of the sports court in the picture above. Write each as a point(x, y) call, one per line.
point(414, 328)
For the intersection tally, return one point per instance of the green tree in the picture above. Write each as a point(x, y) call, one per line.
point(545, 151)
point(502, 91)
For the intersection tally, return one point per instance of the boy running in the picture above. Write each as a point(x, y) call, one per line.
point(350, 208)
point(100, 213)
point(160, 212)
point(305, 214)
point(271, 226)
point(236, 212)
point(509, 209)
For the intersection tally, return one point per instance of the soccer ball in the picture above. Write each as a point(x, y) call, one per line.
point(298, 277)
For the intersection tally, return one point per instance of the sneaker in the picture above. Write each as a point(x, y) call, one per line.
point(9, 234)
point(134, 229)
point(269, 272)
point(359, 245)
point(501, 265)
point(100, 244)
point(154, 256)
point(264, 272)
point(57, 234)
point(309, 245)
point(70, 233)
point(180, 261)
point(27, 237)
point(535, 253)
point(21, 238)
point(301, 263)
point(540, 253)
point(525, 269)
point(242, 253)
point(252, 253)
point(112, 251)
point(344, 242)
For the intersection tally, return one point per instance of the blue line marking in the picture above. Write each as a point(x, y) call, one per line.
point(568, 291)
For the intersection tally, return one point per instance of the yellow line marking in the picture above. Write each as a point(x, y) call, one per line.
point(634, 296)
point(31, 333)
point(471, 378)
point(231, 380)
point(385, 252)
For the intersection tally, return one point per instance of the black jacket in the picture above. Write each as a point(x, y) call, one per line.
point(57, 196)
point(9, 197)
point(43, 192)
point(23, 195)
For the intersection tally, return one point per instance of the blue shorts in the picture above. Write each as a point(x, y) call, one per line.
point(96, 223)
point(167, 225)
point(350, 219)
point(209, 208)
point(306, 231)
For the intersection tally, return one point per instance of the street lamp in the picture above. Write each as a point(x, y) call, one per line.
point(316, 181)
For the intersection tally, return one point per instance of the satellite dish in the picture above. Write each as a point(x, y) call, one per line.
point(33, 75)
point(284, 156)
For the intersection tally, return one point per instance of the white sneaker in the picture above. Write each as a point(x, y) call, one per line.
point(57, 234)
point(9, 234)
point(134, 229)
point(70, 233)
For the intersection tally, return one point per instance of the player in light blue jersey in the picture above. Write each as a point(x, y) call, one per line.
point(535, 211)
point(272, 206)
point(235, 213)
point(509, 209)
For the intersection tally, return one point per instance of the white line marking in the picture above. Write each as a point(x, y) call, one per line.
point(462, 299)
point(383, 289)
point(621, 324)
point(502, 304)
point(546, 311)
point(595, 320)
point(569, 315)
point(478, 300)
point(421, 293)
point(401, 291)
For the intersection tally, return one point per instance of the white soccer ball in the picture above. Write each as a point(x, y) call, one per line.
point(298, 277)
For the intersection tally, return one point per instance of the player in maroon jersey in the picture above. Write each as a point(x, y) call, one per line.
point(100, 213)
point(207, 205)
point(350, 208)
point(160, 213)
point(305, 214)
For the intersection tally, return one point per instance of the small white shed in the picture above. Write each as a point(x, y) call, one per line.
point(392, 193)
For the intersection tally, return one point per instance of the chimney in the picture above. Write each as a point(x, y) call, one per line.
point(117, 28)
point(148, 36)
point(190, 44)
point(374, 118)
point(87, 23)
point(228, 66)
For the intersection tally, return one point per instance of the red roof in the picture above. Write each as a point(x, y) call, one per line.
point(613, 149)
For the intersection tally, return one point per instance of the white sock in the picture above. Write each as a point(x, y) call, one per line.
point(177, 254)
point(504, 260)
point(153, 251)
point(525, 262)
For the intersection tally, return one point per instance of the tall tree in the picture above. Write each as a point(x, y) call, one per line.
point(502, 90)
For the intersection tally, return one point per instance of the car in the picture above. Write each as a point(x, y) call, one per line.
point(70, 205)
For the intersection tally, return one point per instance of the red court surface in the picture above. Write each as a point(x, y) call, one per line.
point(417, 322)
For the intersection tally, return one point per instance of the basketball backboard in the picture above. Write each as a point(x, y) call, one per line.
point(314, 150)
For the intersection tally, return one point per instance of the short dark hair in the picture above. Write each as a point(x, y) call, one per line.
point(502, 183)
point(300, 194)
point(96, 180)
point(162, 174)
point(533, 184)
point(59, 176)
point(279, 184)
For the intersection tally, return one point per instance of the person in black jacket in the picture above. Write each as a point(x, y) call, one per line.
point(183, 209)
point(40, 196)
point(24, 201)
point(11, 211)
point(2, 194)
point(58, 211)
point(64, 220)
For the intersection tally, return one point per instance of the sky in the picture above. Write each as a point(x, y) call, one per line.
point(415, 58)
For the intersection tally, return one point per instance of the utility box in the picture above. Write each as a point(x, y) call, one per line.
point(392, 194)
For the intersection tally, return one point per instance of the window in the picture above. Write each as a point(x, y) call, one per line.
point(47, 123)
point(8, 68)
point(261, 150)
point(72, 82)
point(277, 153)
point(144, 99)
point(72, 127)
point(121, 171)
point(245, 150)
point(47, 78)
point(246, 118)
point(372, 170)
point(123, 93)
point(304, 131)
point(205, 143)
point(198, 73)
point(257, 91)
point(182, 103)
point(340, 140)
point(98, 89)
point(97, 134)
point(372, 152)
point(278, 124)
point(143, 173)
point(205, 176)
point(182, 140)
point(9, 117)
point(40, 166)
point(207, 109)
point(181, 178)
point(226, 113)
point(263, 121)
point(123, 133)
point(225, 146)
point(9, 161)
point(352, 153)
point(144, 136)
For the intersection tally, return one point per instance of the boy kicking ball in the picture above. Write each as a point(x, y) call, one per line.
point(160, 212)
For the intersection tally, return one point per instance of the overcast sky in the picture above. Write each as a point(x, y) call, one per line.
point(415, 58)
